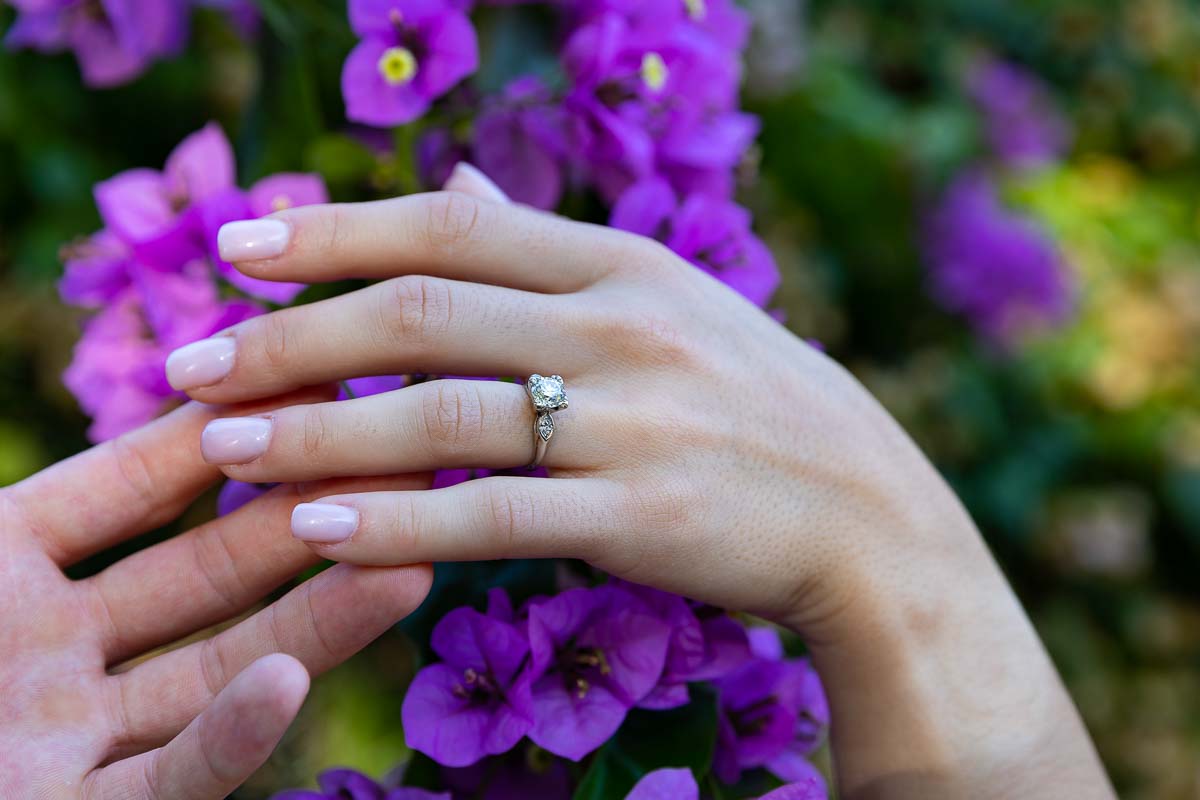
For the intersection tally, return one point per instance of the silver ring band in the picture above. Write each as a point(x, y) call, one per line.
point(547, 395)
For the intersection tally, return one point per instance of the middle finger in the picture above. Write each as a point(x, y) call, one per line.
point(412, 324)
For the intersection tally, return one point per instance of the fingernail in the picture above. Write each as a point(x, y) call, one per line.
point(323, 523)
point(471, 180)
point(253, 239)
point(201, 363)
point(235, 441)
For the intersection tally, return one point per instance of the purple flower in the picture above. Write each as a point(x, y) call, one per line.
point(772, 712)
point(680, 784)
point(476, 702)
point(96, 270)
point(1023, 125)
point(651, 95)
point(412, 52)
point(713, 234)
point(346, 784)
point(526, 772)
point(666, 784)
point(705, 643)
point(437, 153)
point(520, 142)
point(235, 494)
point(150, 210)
point(995, 267)
point(595, 654)
point(114, 40)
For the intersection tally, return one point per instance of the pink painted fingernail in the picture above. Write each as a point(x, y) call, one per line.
point(253, 239)
point(235, 441)
point(323, 523)
point(201, 363)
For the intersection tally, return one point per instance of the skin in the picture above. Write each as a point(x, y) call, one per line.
point(192, 723)
point(706, 451)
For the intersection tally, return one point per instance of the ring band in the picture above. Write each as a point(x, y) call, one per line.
point(547, 395)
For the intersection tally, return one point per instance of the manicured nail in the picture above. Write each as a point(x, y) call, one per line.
point(322, 523)
point(469, 179)
point(253, 239)
point(201, 363)
point(235, 441)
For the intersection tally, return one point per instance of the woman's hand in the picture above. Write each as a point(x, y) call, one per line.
point(706, 451)
point(192, 723)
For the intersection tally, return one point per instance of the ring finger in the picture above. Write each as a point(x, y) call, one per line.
point(434, 425)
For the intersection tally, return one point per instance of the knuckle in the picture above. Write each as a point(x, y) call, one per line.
point(453, 417)
point(334, 228)
point(451, 222)
point(318, 431)
point(663, 506)
point(219, 568)
point(136, 473)
point(276, 342)
point(650, 338)
point(511, 516)
point(213, 670)
point(417, 309)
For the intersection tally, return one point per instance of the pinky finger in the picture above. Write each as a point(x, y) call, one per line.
point(221, 748)
point(481, 520)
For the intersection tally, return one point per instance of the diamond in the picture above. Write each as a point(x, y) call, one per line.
point(548, 394)
point(545, 427)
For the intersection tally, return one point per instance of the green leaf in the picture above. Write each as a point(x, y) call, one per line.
point(650, 740)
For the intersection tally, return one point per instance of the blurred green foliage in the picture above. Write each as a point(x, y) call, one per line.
point(1078, 454)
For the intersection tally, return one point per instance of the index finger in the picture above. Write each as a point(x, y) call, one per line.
point(445, 234)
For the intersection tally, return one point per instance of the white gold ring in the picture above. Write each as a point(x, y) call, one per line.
point(548, 395)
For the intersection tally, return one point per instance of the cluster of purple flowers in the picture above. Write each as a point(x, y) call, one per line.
point(114, 40)
point(648, 115)
point(990, 263)
point(565, 671)
point(155, 277)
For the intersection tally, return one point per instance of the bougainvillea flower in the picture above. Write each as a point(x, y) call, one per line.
point(114, 40)
point(275, 193)
point(666, 784)
point(812, 787)
point(595, 653)
point(476, 701)
point(149, 209)
point(411, 53)
point(520, 142)
point(95, 270)
point(346, 784)
point(711, 233)
point(994, 266)
point(1024, 127)
point(772, 712)
point(526, 772)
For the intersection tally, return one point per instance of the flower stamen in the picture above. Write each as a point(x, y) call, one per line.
point(398, 65)
point(654, 72)
point(696, 9)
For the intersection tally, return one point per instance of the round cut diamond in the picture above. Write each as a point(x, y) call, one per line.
point(547, 393)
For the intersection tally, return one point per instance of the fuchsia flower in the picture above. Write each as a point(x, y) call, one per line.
point(114, 40)
point(476, 702)
point(713, 234)
point(412, 52)
point(596, 653)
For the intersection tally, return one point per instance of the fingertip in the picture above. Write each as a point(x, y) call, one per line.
point(469, 179)
point(286, 677)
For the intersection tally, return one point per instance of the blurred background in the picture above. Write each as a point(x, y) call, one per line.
point(989, 211)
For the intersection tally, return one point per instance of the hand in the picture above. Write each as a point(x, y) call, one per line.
point(192, 723)
point(706, 451)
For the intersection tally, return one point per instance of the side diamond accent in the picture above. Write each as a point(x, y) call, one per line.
point(545, 427)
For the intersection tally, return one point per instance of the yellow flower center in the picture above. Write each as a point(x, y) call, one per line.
point(281, 202)
point(398, 65)
point(697, 9)
point(654, 72)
